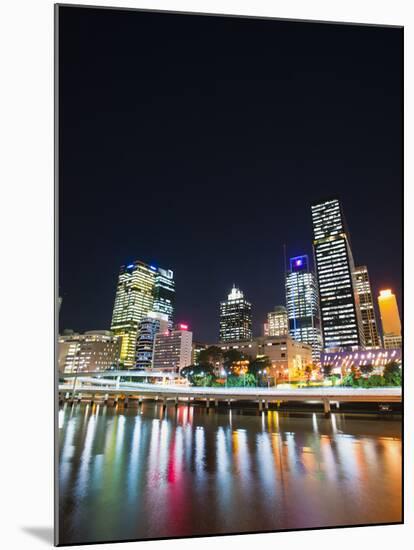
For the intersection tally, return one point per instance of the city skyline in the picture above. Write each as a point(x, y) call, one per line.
point(160, 280)
point(218, 209)
point(160, 274)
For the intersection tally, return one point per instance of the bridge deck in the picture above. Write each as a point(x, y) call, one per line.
point(244, 394)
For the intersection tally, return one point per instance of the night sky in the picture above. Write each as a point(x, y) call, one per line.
point(199, 143)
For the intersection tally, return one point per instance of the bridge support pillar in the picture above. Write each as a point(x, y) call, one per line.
point(106, 397)
point(326, 406)
point(337, 404)
point(139, 401)
point(176, 401)
point(126, 402)
point(267, 405)
point(92, 398)
point(208, 402)
point(216, 402)
point(260, 405)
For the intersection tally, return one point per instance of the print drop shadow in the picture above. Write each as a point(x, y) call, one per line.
point(45, 534)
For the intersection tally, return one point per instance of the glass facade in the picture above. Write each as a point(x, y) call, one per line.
point(140, 288)
point(303, 305)
point(235, 317)
point(366, 304)
point(339, 304)
point(153, 323)
point(164, 293)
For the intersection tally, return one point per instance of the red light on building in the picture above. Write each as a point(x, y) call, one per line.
point(182, 326)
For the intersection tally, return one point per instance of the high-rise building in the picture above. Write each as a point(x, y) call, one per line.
point(235, 317)
point(150, 325)
point(366, 305)
point(277, 322)
point(339, 301)
point(302, 302)
point(95, 350)
point(173, 349)
point(390, 319)
point(139, 286)
point(164, 293)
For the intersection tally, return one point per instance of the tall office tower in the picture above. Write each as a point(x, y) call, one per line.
point(140, 287)
point(150, 325)
point(164, 293)
point(173, 349)
point(339, 301)
point(277, 322)
point(366, 305)
point(235, 317)
point(134, 299)
point(390, 319)
point(302, 302)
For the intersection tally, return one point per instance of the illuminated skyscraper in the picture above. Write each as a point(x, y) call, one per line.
point(235, 317)
point(303, 305)
point(366, 305)
point(339, 301)
point(164, 293)
point(277, 322)
point(139, 289)
point(390, 319)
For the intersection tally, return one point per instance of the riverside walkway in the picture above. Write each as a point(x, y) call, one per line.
point(99, 387)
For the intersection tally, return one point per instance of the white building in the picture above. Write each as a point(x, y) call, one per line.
point(173, 349)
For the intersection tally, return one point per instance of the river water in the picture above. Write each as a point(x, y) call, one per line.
point(148, 473)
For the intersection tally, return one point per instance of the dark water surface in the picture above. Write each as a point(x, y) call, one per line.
point(141, 473)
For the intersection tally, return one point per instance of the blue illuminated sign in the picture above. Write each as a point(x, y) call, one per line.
point(299, 263)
